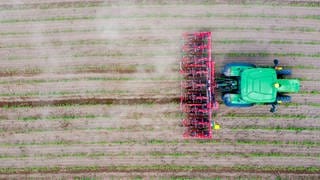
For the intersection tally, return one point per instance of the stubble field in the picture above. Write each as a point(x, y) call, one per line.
point(91, 88)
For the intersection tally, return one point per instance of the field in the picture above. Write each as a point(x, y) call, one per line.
point(91, 89)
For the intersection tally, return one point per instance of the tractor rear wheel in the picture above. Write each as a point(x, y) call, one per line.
point(233, 100)
point(234, 68)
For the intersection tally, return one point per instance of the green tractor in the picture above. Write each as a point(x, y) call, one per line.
point(241, 85)
point(244, 85)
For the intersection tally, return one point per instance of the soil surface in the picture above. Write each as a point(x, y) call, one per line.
point(96, 84)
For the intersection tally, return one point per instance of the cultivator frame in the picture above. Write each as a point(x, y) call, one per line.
point(197, 87)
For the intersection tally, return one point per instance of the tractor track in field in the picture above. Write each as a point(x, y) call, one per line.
point(142, 99)
point(125, 98)
point(114, 99)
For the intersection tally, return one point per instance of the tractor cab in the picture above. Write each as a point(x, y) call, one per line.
point(257, 85)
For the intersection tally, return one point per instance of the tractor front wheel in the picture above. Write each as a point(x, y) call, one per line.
point(284, 72)
point(283, 99)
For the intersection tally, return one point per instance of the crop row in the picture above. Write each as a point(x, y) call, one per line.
point(96, 129)
point(275, 116)
point(140, 41)
point(113, 79)
point(110, 68)
point(70, 111)
point(63, 93)
point(267, 54)
point(157, 154)
point(157, 16)
point(70, 117)
point(65, 118)
point(166, 168)
point(176, 78)
point(133, 128)
point(173, 92)
point(147, 68)
point(150, 129)
point(149, 54)
point(124, 74)
point(147, 28)
point(80, 4)
point(128, 78)
point(277, 128)
point(152, 104)
point(306, 143)
point(172, 114)
point(72, 105)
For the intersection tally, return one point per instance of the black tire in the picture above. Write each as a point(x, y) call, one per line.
point(284, 98)
point(228, 103)
point(284, 72)
point(229, 65)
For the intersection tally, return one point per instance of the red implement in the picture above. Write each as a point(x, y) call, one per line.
point(197, 86)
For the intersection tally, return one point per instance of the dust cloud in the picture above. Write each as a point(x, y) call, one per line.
point(158, 58)
point(149, 52)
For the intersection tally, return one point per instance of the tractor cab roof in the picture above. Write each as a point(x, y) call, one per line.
point(257, 85)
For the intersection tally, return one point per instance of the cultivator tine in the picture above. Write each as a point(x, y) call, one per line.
point(197, 95)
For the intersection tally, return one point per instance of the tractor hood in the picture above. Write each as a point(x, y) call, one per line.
point(257, 85)
point(288, 85)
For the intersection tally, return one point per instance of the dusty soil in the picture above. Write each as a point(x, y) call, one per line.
point(97, 84)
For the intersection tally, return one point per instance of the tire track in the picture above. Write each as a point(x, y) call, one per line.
point(101, 99)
